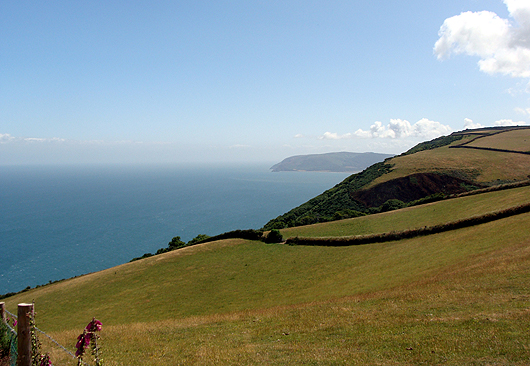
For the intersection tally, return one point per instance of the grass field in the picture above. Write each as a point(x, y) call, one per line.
point(455, 298)
point(416, 216)
point(518, 140)
point(481, 166)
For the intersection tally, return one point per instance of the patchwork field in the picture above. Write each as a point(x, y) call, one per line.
point(416, 216)
point(481, 166)
point(518, 140)
point(460, 297)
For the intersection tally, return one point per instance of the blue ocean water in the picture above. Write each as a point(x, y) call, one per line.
point(62, 221)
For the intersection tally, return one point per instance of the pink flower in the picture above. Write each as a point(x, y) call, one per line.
point(94, 325)
point(83, 340)
point(97, 324)
point(79, 341)
point(79, 352)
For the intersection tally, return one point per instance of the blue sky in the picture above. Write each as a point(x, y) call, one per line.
point(253, 81)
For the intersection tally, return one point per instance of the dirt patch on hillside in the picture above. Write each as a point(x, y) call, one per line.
point(411, 188)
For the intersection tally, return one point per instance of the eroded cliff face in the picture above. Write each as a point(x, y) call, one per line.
point(411, 188)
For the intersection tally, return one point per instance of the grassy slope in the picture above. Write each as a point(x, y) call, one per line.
point(255, 303)
point(456, 298)
point(416, 216)
point(518, 140)
point(481, 166)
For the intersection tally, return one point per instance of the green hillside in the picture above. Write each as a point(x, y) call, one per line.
point(459, 297)
point(433, 300)
point(454, 164)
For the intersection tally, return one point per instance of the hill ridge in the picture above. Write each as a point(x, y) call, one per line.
point(329, 162)
point(430, 170)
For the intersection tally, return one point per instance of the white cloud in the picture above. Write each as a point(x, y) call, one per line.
point(509, 122)
point(6, 138)
point(469, 124)
point(396, 129)
point(430, 129)
point(502, 45)
point(335, 136)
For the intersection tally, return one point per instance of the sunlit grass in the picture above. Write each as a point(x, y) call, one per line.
point(478, 165)
point(474, 311)
point(417, 216)
point(517, 140)
point(455, 298)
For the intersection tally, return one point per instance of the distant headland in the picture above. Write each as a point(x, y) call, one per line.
point(330, 162)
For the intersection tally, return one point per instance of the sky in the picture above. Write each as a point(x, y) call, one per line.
point(253, 81)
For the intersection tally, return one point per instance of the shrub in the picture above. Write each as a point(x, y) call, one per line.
point(347, 214)
point(198, 239)
point(5, 341)
point(274, 236)
point(392, 204)
point(176, 243)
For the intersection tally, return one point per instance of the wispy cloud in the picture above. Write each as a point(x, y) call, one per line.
point(523, 111)
point(509, 122)
point(502, 45)
point(396, 129)
point(7, 138)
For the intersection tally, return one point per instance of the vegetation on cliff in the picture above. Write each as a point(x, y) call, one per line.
point(429, 171)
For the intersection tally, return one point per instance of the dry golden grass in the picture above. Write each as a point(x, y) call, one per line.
point(457, 298)
point(417, 216)
point(471, 312)
point(480, 166)
point(517, 140)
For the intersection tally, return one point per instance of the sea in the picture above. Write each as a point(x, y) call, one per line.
point(58, 222)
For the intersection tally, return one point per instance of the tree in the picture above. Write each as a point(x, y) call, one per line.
point(198, 239)
point(176, 243)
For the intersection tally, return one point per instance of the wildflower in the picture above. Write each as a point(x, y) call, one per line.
point(83, 340)
point(87, 338)
point(94, 325)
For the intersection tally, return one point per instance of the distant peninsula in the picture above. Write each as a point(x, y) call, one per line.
point(330, 162)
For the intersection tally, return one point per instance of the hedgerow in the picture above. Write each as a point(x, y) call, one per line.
point(407, 234)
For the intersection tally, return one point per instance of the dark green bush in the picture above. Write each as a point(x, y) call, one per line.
point(347, 214)
point(198, 239)
point(392, 204)
point(5, 341)
point(274, 236)
point(176, 243)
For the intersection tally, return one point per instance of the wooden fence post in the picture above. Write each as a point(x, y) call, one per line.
point(3, 311)
point(25, 313)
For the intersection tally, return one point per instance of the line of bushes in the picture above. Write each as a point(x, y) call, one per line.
point(489, 149)
point(407, 234)
point(249, 234)
point(274, 236)
point(174, 244)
